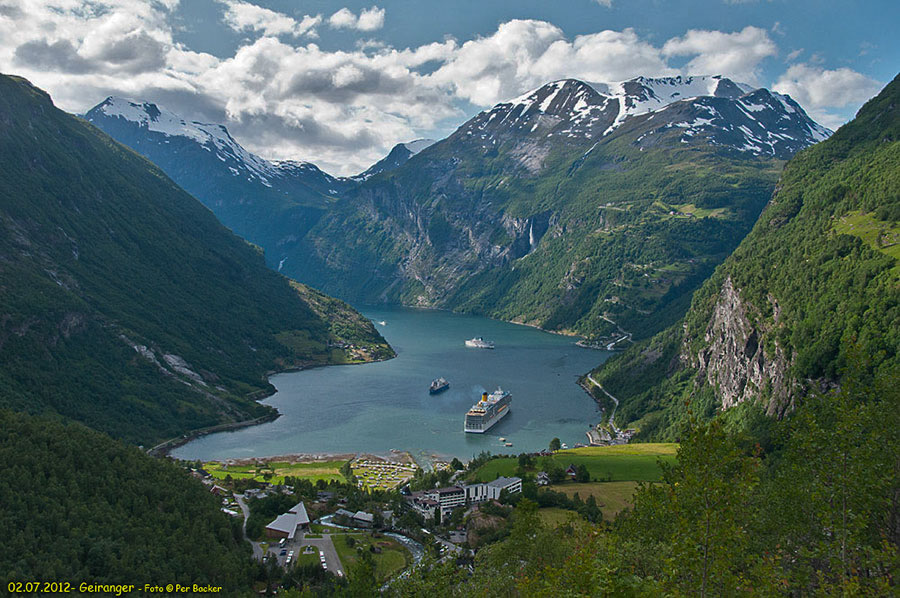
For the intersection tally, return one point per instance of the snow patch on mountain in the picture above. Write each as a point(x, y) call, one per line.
point(214, 137)
point(418, 145)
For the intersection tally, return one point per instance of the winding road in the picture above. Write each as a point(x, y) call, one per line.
point(257, 549)
point(612, 416)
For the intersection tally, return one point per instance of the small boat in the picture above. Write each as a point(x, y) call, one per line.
point(438, 385)
point(502, 439)
point(507, 444)
point(479, 343)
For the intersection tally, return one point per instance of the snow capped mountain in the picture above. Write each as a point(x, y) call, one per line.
point(151, 123)
point(746, 119)
point(271, 203)
point(213, 138)
point(760, 122)
point(398, 156)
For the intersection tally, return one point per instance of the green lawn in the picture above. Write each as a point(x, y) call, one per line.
point(278, 470)
point(392, 559)
point(307, 559)
point(622, 463)
point(318, 528)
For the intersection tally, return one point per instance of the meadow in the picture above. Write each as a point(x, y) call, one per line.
point(275, 471)
point(621, 463)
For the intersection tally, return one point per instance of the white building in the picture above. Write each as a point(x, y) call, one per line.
point(426, 502)
point(491, 490)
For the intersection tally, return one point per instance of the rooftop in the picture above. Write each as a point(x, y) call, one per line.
point(503, 482)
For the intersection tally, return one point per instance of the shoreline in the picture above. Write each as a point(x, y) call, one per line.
point(165, 447)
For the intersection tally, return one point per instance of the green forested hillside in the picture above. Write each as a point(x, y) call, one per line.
point(811, 294)
point(124, 304)
point(76, 505)
point(619, 229)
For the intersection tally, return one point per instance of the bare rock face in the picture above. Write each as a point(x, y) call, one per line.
point(735, 362)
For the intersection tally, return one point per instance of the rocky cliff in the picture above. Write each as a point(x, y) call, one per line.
point(735, 363)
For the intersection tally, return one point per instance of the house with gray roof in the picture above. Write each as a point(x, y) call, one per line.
point(287, 524)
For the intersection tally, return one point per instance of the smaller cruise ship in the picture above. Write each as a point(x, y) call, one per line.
point(438, 385)
point(479, 343)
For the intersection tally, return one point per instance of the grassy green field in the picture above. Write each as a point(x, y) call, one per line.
point(554, 516)
point(382, 476)
point(879, 235)
point(278, 470)
point(392, 559)
point(307, 559)
point(622, 463)
point(611, 496)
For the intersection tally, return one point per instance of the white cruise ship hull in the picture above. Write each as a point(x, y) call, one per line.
point(490, 423)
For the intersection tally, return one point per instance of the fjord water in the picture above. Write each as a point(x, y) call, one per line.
point(377, 407)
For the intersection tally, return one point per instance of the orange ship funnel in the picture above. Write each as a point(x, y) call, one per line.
point(484, 396)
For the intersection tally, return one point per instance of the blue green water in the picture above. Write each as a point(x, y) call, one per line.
point(377, 407)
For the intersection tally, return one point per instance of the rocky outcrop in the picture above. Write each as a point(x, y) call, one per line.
point(734, 360)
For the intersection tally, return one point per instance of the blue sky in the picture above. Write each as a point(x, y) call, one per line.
point(339, 83)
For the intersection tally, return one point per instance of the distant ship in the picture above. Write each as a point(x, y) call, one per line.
point(479, 343)
point(438, 385)
point(488, 411)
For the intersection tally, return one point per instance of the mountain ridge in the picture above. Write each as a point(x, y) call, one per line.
point(125, 304)
point(440, 230)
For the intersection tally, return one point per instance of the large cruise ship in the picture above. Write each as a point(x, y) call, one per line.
point(488, 411)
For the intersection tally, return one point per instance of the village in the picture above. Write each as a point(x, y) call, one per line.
point(332, 512)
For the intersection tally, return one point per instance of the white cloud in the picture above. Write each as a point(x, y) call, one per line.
point(736, 55)
point(283, 98)
point(244, 16)
point(823, 92)
point(344, 18)
point(523, 54)
point(369, 19)
point(794, 55)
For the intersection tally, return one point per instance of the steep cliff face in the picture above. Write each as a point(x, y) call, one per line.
point(736, 363)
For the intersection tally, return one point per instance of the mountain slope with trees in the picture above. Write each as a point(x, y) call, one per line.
point(124, 303)
point(79, 506)
point(816, 282)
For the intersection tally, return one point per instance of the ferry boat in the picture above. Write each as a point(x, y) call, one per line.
point(479, 343)
point(438, 385)
point(488, 411)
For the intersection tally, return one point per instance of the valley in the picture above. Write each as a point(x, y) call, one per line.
point(228, 368)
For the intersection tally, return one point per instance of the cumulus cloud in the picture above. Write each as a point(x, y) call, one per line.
point(369, 19)
point(736, 55)
point(284, 97)
point(523, 54)
point(244, 16)
point(821, 91)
